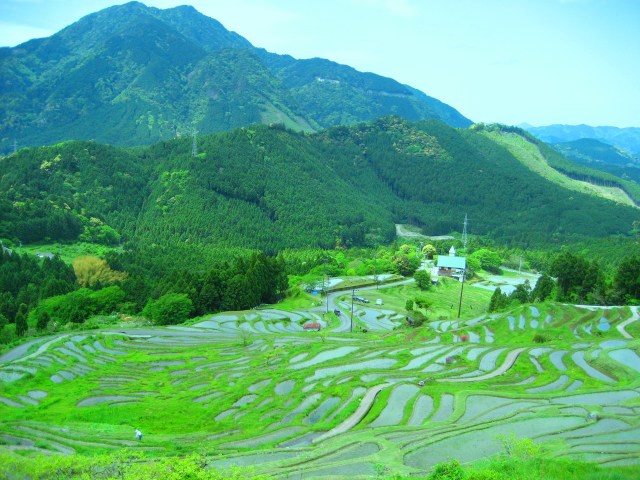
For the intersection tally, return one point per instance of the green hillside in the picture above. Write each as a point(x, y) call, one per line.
point(134, 75)
point(553, 166)
point(270, 188)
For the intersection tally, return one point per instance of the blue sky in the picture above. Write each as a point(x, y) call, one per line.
point(509, 61)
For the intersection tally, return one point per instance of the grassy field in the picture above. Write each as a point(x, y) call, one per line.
point(444, 299)
point(66, 251)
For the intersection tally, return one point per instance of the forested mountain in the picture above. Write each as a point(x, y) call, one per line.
point(133, 75)
point(624, 138)
point(602, 156)
point(269, 188)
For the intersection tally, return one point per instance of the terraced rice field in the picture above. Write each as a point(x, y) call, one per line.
point(254, 389)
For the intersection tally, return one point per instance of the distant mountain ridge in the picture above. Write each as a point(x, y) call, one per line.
point(625, 138)
point(132, 74)
point(601, 156)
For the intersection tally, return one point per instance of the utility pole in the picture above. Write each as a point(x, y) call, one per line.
point(15, 145)
point(464, 233)
point(194, 144)
point(324, 274)
point(375, 268)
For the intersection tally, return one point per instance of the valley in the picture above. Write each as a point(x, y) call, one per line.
point(220, 262)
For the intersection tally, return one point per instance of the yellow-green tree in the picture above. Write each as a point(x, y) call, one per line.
point(91, 270)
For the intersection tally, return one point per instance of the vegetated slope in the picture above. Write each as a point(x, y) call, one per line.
point(132, 75)
point(624, 138)
point(550, 164)
point(270, 188)
point(602, 156)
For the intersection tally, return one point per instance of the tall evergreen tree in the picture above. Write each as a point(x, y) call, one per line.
point(21, 320)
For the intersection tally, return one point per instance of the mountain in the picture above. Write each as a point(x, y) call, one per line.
point(599, 179)
point(270, 188)
point(602, 156)
point(133, 75)
point(623, 138)
point(588, 151)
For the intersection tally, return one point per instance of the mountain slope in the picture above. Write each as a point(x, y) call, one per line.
point(549, 164)
point(131, 75)
point(625, 138)
point(270, 188)
point(601, 156)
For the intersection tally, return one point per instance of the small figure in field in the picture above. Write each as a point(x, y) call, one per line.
point(138, 434)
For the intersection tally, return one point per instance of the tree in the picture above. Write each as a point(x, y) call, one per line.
point(21, 320)
point(408, 305)
point(489, 260)
point(422, 302)
point(169, 309)
point(544, 287)
point(91, 270)
point(473, 264)
point(107, 299)
point(627, 279)
point(498, 300)
point(43, 319)
point(423, 279)
point(429, 251)
point(404, 265)
point(522, 292)
point(570, 270)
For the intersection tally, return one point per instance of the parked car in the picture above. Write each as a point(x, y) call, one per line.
point(337, 312)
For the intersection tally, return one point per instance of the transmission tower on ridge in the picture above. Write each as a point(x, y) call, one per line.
point(194, 145)
point(15, 145)
point(464, 233)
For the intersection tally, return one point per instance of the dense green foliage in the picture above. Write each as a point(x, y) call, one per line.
point(133, 75)
point(26, 280)
point(169, 309)
point(268, 188)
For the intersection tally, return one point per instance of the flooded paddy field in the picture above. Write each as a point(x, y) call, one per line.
point(257, 390)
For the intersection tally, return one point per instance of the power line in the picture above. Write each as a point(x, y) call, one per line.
point(464, 233)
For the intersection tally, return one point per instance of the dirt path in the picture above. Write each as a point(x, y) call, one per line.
point(512, 356)
point(365, 405)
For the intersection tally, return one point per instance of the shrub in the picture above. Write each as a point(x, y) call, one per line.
point(169, 309)
point(447, 471)
point(540, 338)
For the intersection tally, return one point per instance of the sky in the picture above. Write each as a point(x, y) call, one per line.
point(539, 62)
